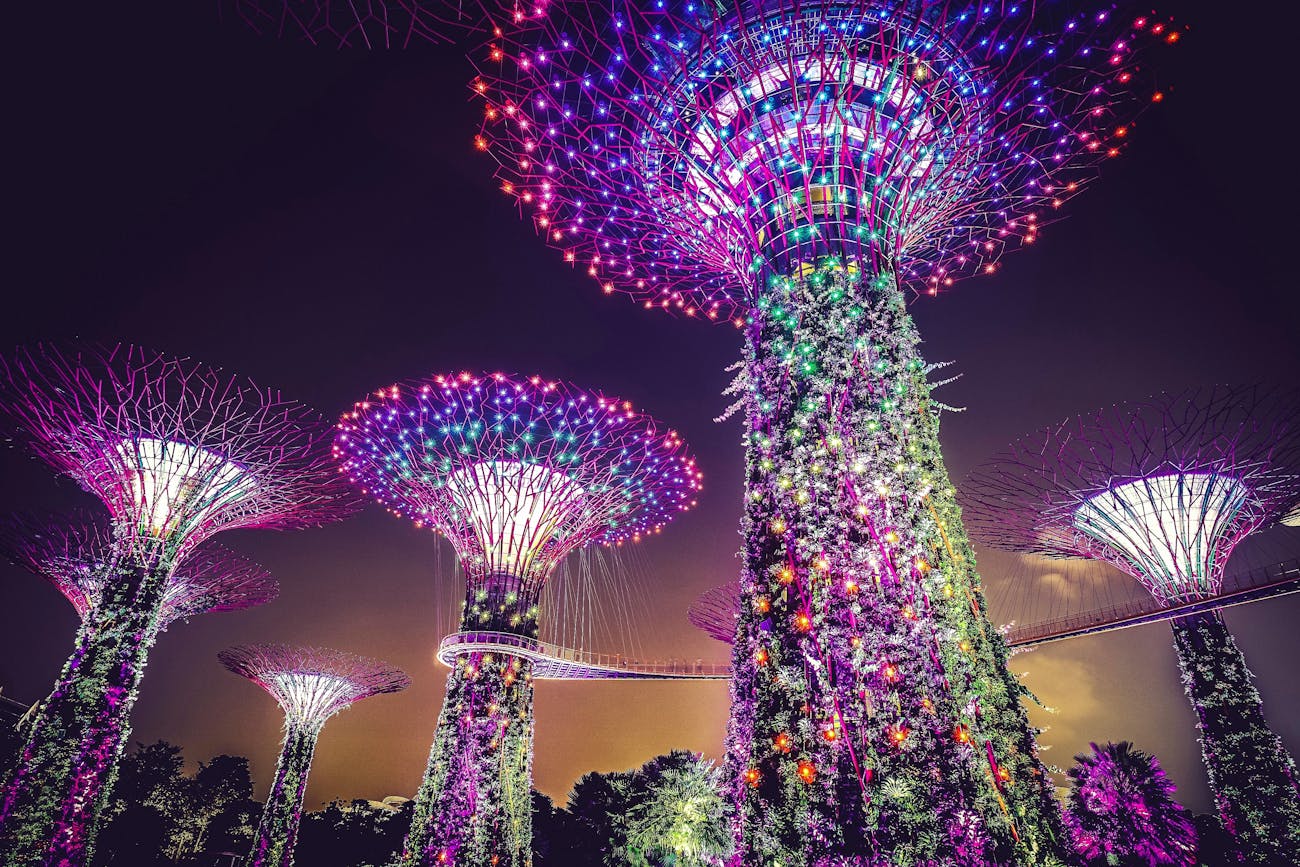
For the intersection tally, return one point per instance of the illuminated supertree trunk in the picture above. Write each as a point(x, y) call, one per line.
point(176, 452)
point(844, 714)
point(1164, 490)
point(1252, 776)
point(66, 767)
point(311, 685)
point(277, 831)
point(516, 474)
point(475, 803)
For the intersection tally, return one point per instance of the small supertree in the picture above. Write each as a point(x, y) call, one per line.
point(516, 473)
point(793, 166)
point(75, 554)
point(311, 684)
point(1122, 810)
point(177, 452)
point(379, 23)
point(1165, 490)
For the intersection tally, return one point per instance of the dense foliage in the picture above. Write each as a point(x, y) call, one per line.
point(1122, 810)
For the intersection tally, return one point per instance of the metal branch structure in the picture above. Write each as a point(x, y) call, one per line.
point(75, 554)
point(377, 24)
point(177, 452)
point(516, 473)
point(1165, 490)
point(793, 168)
point(716, 612)
point(311, 685)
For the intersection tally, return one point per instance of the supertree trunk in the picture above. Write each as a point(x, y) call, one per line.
point(57, 790)
point(277, 832)
point(860, 726)
point(474, 808)
point(1251, 775)
point(976, 658)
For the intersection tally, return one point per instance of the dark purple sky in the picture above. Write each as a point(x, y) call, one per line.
point(320, 222)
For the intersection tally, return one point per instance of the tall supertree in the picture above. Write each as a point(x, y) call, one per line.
point(516, 474)
point(311, 684)
point(795, 168)
point(1165, 490)
point(75, 554)
point(1122, 810)
point(177, 452)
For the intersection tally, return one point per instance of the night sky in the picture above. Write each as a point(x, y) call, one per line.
point(320, 222)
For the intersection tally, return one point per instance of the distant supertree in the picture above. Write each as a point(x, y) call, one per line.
point(1164, 490)
point(311, 684)
point(75, 554)
point(715, 613)
point(177, 452)
point(516, 473)
point(792, 167)
point(1122, 810)
point(379, 23)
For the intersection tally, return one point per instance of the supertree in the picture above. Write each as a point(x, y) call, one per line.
point(75, 554)
point(716, 612)
point(1122, 810)
point(1165, 490)
point(177, 452)
point(311, 684)
point(516, 474)
point(380, 23)
point(793, 168)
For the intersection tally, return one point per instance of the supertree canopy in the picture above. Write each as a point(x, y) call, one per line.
point(177, 452)
point(76, 555)
point(516, 473)
point(792, 167)
point(379, 23)
point(691, 154)
point(311, 684)
point(1164, 490)
point(715, 613)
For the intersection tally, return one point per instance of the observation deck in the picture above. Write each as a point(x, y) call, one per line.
point(552, 662)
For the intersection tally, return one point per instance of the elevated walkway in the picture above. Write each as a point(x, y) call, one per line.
point(552, 662)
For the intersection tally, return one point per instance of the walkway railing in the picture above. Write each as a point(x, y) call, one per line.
point(1252, 586)
point(553, 662)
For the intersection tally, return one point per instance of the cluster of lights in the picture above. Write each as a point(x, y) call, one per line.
point(516, 472)
point(683, 152)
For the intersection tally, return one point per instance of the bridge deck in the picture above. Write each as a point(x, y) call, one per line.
point(552, 662)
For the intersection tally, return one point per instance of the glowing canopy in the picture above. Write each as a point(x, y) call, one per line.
point(1169, 531)
point(174, 486)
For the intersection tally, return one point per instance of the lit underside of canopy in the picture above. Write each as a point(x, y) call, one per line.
point(311, 697)
point(1173, 533)
point(514, 509)
point(174, 487)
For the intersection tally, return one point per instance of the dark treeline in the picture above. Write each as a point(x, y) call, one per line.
point(670, 811)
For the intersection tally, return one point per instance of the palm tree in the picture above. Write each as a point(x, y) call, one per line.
point(1122, 811)
point(681, 817)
